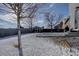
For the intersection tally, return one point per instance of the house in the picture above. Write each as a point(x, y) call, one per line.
point(74, 16)
point(66, 23)
point(63, 24)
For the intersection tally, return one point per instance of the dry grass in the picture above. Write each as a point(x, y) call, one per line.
point(16, 45)
point(64, 43)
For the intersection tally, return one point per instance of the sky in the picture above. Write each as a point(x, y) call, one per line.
point(58, 8)
point(61, 8)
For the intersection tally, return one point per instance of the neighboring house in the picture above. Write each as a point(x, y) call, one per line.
point(66, 23)
point(63, 23)
point(59, 26)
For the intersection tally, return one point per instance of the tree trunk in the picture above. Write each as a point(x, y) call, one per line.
point(31, 24)
point(19, 37)
point(51, 27)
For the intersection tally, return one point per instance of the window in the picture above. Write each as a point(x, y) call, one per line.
point(76, 17)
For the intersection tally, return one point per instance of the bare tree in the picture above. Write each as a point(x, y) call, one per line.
point(21, 11)
point(59, 18)
point(50, 18)
point(32, 13)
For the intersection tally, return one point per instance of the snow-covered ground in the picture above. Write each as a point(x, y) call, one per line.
point(38, 46)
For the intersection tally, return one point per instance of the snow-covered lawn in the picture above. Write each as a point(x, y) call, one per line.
point(37, 46)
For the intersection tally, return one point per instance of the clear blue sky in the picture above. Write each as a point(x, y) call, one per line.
point(62, 8)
